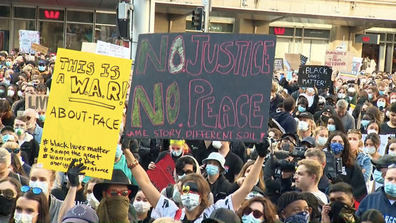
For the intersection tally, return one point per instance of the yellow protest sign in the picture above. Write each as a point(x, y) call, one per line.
point(84, 112)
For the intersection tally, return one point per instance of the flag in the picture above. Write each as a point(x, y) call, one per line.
point(304, 59)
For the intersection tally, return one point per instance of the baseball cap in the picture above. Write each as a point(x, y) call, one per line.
point(7, 128)
point(81, 213)
point(290, 135)
point(385, 161)
point(222, 215)
point(305, 115)
point(309, 139)
point(215, 156)
point(41, 63)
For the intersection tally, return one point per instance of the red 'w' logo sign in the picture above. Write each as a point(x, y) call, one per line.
point(279, 31)
point(366, 38)
point(51, 14)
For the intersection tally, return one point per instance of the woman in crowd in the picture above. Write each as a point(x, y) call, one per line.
point(44, 179)
point(16, 165)
point(32, 206)
point(366, 119)
point(10, 190)
point(13, 93)
point(259, 187)
point(306, 128)
point(352, 174)
point(257, 209)
point(194, 193)
point(373, 127)
point(364, 160)
point(321, 135)
point(142, 207)
point(7, 117)
point(391, 147)
point(334, 123)
point(371, 145)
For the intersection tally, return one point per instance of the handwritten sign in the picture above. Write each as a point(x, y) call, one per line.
point(113, 50)
point(314, 76)
point(162, 175)
point(36, 102)
point(84, 112)
point(347, 76)
point(356, 65)
point(201, 86)
point(26, 38)
point(39, 48)
point(278, 64)
point(337, 60)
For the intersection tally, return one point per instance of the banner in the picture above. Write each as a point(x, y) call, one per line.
point(84, 112)
point(113, 50)
point(337, 60)
point(26, 38)
point(162, 175)
point(201, 86)
point(36, 102)
point(315, 76)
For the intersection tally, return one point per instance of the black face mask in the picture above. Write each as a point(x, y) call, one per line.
point(341, 212)
point(6, 206)
point(324, 118)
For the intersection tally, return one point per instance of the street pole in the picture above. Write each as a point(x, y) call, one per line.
point(140, 22)
point(207, 6)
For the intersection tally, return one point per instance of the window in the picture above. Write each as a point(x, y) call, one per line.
point(77, 34)
point(5, 11)
point(76, 16)
point(106, 34)
point(4, 34)
point(315, 49)
point(105, 18)
point(52, 14)
point(51, 34)
point(283, 46)
point(25, 13)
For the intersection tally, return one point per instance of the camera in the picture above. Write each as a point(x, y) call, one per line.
point(285, 165)
point(333, 164)
point(298, 152)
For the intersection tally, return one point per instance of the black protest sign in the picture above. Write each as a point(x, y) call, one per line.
point(278, 64)
point(314, 76)
point(201, 86)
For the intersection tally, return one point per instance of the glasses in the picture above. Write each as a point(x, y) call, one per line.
point(28, 117)
point(15, 151)
point(35, 190)
point(124, 193)
point(256, 213)
point(180, 173)
point(7, 193)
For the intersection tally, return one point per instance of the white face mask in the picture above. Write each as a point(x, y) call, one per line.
point(141, 206)
point(341, 95)
point(190, 201)
point(392, 153)
point(369, 131)
point(92, 201)
point(392, 101)
point(23, 218)
point(303, 126)
point(216, 144)
point(370, 150)
point(10, 93)
point(42, 185)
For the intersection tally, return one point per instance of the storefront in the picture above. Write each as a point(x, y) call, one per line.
point(311, 42)
point(58, 27)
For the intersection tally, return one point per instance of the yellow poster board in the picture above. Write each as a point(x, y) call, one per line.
point(84, 112)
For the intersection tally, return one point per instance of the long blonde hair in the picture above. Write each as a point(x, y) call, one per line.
point(261, 184)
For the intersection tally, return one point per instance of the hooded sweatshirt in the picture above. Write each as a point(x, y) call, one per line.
point(380, 202)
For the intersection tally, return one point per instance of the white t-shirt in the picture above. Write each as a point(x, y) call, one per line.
point(321, 196)
point(167, 208)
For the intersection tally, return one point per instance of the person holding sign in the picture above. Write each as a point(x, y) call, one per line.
point(177, 149)
point(194, 191)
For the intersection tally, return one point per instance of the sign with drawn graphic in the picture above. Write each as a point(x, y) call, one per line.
point(84, 112)
point(26, 38)
point(201, 86)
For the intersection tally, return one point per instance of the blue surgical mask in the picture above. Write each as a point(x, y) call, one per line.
point(322, 141)
point(390, 189)
point(377, 175)
point(301, 109)
point(8, 64)
point(118, 151)
point(370, 96)
point(5, 138)
point(365, 123)
point(250, 219)
point(177, 152)
point(302, 217)
point(7, 82)
point(331, 128)
point(381, 92)
point(42, 118)
point(212, 169)
point(337, 148)
point(41, 68)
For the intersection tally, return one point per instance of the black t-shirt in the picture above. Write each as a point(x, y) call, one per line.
point(233, 165)
point(385, 129)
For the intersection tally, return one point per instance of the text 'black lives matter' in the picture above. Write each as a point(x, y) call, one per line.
point(314, 76)
point(201, 86)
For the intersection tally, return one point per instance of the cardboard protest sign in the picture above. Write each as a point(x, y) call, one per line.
point(84, 112)
point(315, 76)
point(26, 38)
point(113, 50)
point(294, 60)
point(39, 48)
point(337, 60)
point(347, 76)
point(356, 64)
point(201, 86)
point(36, 102)
point(162, 175)
point(278, 64)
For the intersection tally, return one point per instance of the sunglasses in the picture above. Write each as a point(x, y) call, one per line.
point(28, 117)
point(181, 173)
point(35, 190)
point(7, 193)
point(256, 214)
point(15, 151)
point(124, 193)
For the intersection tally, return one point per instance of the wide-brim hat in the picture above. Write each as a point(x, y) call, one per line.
point(118, 178)
point(215, 156)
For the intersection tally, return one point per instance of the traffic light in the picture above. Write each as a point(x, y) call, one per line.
point(198, 18)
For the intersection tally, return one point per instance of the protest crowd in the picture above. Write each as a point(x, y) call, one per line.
point(329, 155)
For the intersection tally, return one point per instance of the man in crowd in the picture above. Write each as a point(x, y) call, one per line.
point(215, 169)
point(342, 111)
point(31, 124)
point(320, 156)
point(233, 164)
point(293, 207)
point(389, 127)
point(286, 119)
point(26, 141)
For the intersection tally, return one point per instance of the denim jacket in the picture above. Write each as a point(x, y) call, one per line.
point(364, 162)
